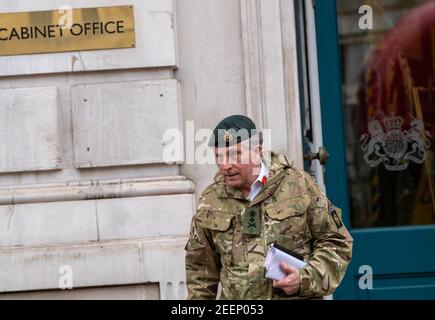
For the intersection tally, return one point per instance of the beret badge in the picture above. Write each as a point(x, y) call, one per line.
point(228, 136)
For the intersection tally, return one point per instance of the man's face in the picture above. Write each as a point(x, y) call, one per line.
point(238, 165)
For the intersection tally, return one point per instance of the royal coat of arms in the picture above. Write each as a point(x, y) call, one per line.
point(395, 148)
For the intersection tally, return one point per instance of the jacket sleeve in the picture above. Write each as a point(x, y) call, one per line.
point(331, 242)
point(202, 263)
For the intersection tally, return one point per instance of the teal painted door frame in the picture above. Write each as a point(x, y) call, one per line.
point(402, 258)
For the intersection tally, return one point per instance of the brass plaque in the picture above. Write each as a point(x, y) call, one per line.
point(63, 30)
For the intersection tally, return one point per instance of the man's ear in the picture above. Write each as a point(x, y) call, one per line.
point(259, 150)
point(258, 153)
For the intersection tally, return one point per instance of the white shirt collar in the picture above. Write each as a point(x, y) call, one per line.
point(258, 183)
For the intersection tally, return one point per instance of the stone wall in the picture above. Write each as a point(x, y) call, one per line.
point(83, 182)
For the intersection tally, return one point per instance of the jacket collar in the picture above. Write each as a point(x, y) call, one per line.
point(276, 164)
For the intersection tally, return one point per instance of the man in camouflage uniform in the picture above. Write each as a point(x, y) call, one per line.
point(235, 225)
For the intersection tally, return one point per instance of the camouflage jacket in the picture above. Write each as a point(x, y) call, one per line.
point(295, 214)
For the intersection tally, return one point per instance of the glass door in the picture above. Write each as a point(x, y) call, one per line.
point(377, 86)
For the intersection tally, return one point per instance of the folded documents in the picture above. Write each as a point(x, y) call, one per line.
point(275, 256)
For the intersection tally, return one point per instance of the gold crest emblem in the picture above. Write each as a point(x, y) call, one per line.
point(228, 136)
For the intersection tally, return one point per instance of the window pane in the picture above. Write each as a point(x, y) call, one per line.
point(389, 109)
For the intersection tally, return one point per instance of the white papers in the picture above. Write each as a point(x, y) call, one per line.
point(274, 257)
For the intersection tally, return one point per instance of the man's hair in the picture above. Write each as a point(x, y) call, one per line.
point(255, 140)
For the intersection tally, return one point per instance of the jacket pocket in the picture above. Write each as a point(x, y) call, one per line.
point(288, 208)
point(219, 223)
point(214, 219)
point(287, 224)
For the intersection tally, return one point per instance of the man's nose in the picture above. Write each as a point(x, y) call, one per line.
point(227, 167)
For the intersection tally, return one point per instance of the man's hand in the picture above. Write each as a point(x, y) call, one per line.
point(291, 283)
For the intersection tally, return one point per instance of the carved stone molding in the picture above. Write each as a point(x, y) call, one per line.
point(102, 189)
point(271, 72)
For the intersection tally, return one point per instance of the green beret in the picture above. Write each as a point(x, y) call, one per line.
point(232, 130)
